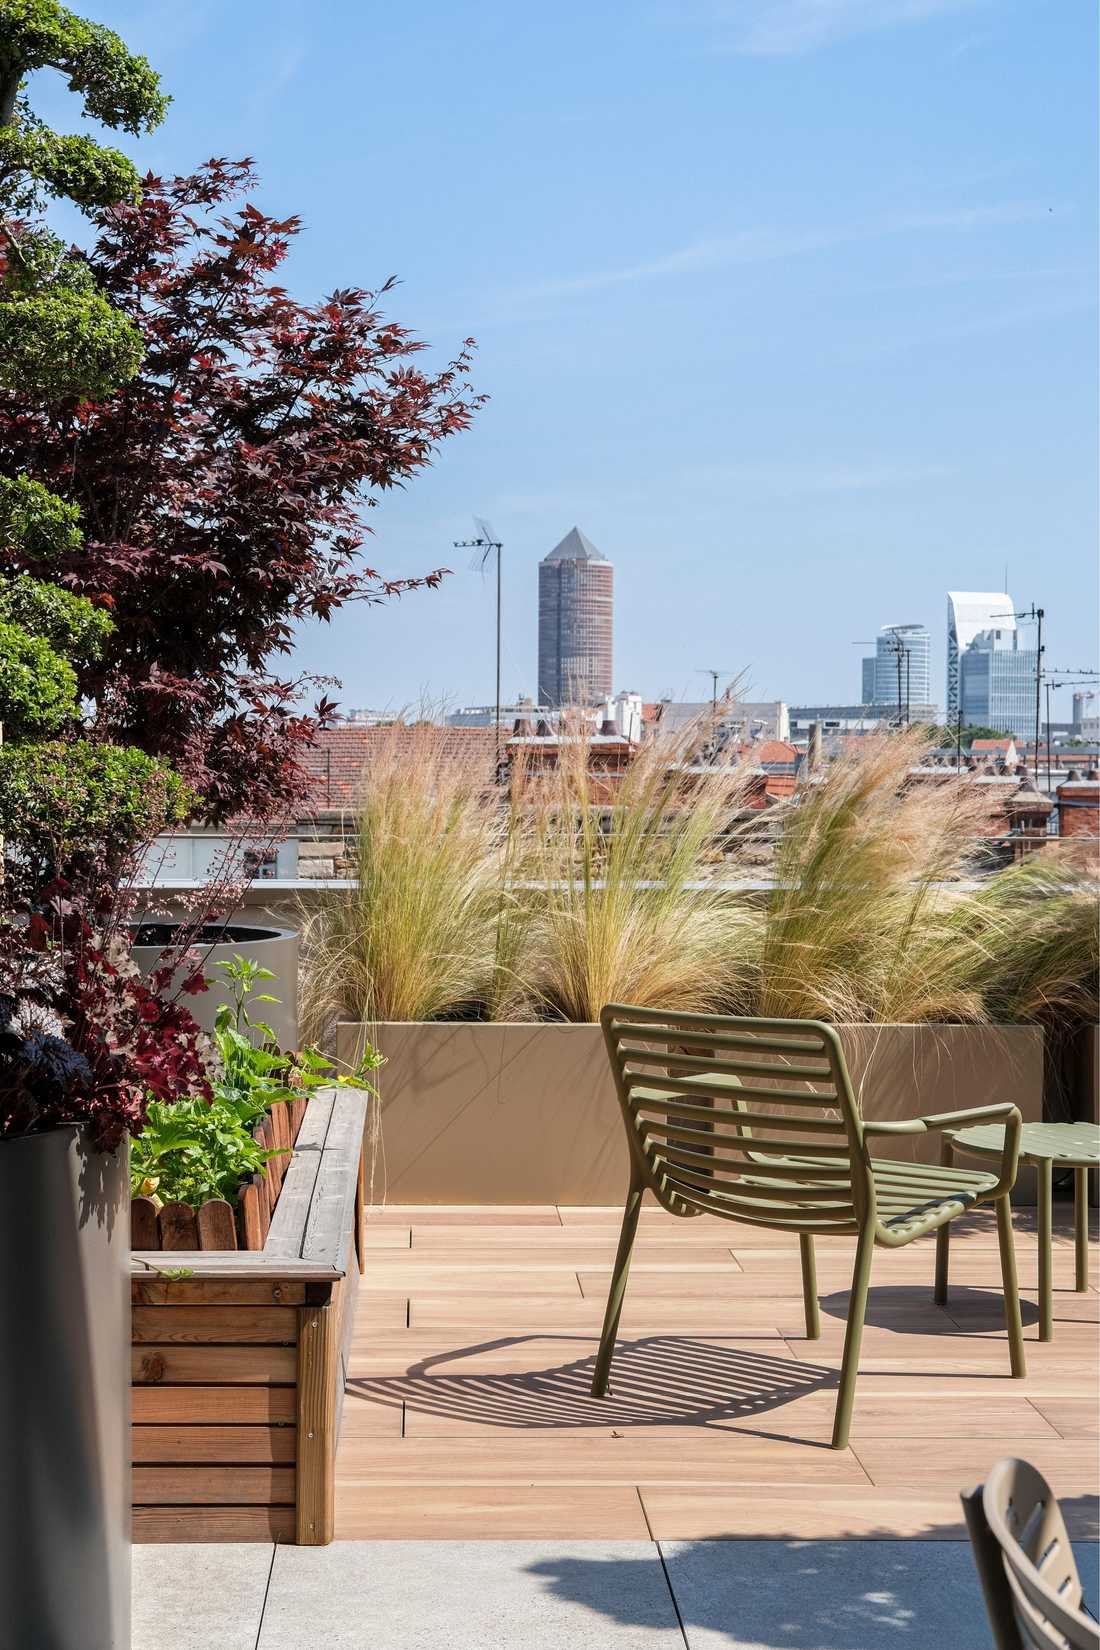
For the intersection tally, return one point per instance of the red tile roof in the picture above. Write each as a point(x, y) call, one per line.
point(772, 750)
point(992, 744)
point(339, 754)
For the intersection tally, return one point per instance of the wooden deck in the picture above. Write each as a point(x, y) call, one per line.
point(468, 1413)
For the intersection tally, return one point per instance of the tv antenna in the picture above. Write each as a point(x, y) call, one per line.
point(1033, 615)
point(484, 546)
point(900, 649)
point(715, 676)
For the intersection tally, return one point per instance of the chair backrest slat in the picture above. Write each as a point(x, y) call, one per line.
point(748, 1118)
point(1028, 1573)
point(726, 1083)
point(675, 1128)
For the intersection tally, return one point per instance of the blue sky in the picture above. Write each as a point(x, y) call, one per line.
point(789, 304)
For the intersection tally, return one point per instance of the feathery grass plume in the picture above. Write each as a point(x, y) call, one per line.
point(1043, 953)
point(859, 927)
point(618, 859)
point(415, 937)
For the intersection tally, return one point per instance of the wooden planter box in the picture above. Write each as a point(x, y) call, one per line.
point(217, 1224)
point(238, 1368)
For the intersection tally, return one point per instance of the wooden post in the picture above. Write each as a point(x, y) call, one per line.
point(316, 1484)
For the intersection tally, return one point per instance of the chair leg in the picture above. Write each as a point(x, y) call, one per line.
point(943, 1240)
point(1008, 1278)
point(809, 1286)
point(618, 1290)
point(853, 1334)
point(1081, 1229)
point(1044, 1170)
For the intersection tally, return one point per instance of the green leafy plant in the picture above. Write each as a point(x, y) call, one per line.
point(118, 88)
point(62, 797)
point(72, 625)
point(37, 686)
point(193, 1149)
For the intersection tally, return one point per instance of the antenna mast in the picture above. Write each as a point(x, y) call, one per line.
point(485, 544)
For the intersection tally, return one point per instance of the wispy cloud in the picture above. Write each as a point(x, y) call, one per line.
point(278, 66)
point(1004, 320)
point(825, 476)
point(787, 28)
point(765, 245)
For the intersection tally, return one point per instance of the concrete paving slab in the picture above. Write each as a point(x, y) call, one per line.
point(192, 1597)
point(476, 1595)
point(834, 1595)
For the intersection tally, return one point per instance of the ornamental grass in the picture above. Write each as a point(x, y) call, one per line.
point(630, 906)
point(572, 888)
point(415, 936)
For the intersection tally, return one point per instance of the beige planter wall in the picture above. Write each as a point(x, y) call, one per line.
point(476, 1113)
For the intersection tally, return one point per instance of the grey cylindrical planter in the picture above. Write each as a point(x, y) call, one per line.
point(274, 948)
point(64, 1394)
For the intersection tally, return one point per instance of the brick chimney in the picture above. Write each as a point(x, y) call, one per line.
point(1079, 804)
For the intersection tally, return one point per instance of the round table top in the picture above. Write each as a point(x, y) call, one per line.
point(1074, 1143)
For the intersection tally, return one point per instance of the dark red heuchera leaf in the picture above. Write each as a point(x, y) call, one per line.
point(139, 1046)
point(223, 489)
point(128, 1045)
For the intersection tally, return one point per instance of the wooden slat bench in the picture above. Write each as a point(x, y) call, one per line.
point(239, 1366)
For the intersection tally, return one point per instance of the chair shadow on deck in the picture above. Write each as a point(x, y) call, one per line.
point(656, 1380)
point(908, 1308)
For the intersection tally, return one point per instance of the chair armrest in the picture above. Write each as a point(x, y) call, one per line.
point(1003, 1110)
point(911, 1125)
point(948, 1122)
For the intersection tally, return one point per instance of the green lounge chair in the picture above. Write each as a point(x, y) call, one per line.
point(1025, 1563)
point(755, 1120)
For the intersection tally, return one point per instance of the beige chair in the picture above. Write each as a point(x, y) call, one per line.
point(1026, 1564)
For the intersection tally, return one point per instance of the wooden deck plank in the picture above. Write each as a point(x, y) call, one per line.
point(1062, 1462)
point(211, 1405)
point(678, 1455)
point(238, 1325)
point(714, 1512)
point(808, 1418)
point(163, 1365)
point(289, 1220)
point(549, 1313)
point(463, 1282)
point(471, 1512)
point(187, 1486)
point(465, 1214)
point(330, 1220)
point(213, 1446)
point(388, 1237)
point(1071, 1417)
point(472, 1417)
point(199, 1524)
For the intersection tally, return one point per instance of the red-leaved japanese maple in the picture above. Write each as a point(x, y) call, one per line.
point(223, 489)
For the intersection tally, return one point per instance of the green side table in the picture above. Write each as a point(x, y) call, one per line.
point(1071, 1145)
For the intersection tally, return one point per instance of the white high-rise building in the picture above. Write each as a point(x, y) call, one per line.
point(900, 673)
point(969, 613)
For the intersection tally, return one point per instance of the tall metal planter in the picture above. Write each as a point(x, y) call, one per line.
point(64, 1394)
